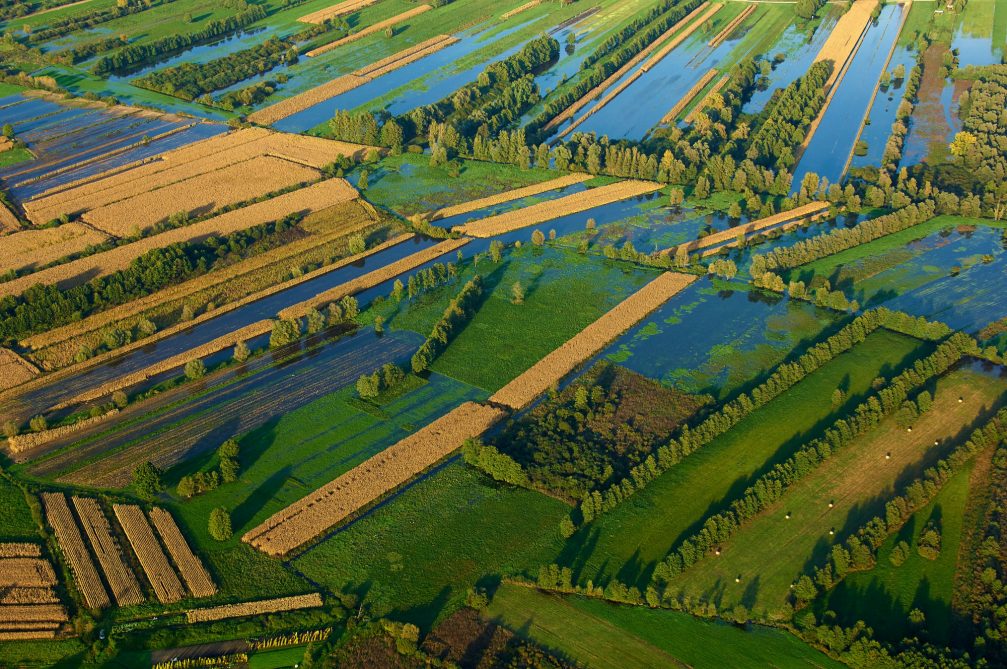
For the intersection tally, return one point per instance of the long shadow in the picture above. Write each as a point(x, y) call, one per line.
point(245, 511)
point(424, 615)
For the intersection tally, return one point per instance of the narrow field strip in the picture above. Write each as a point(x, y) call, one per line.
point(370, 30)
point(856, 481)
point(509, 196)
point(201, 194)
point(68, 536)
point(153, 560)
point(30, 248)
point(118, 575)
point(520, 8)
point(345, 83)
point(523, 390)
point(564, 206)
point(711, 10)
point(842, 42)
point(572, 110)
point(8, 221)
point(313, 198)
point(731, 234)
point(191, 568)
point(340, 9)
point(258, 608)
point(705, 102)
point(15, 370)
point(689, 95)
point(26, 572)
point(720, 37)
point(309, 517)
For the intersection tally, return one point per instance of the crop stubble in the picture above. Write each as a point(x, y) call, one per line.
point(152, 558)
point(118, 575)
point(72, 544)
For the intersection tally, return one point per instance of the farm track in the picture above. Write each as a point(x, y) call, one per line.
point(348, 82)
point(508, 196)
point(572, 110)
point(564, 206)
point(370, 30)
point(551, 369)
point(302, 201)
point(312, 515)
point(204, 422)
point(689, 95)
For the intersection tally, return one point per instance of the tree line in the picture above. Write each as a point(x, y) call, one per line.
point(458, 313)
point(95, 17)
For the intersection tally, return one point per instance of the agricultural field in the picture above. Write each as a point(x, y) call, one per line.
point(503, 333)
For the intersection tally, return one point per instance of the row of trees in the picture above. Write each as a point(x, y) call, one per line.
point(690, 439)
point(46, 306)
point(226, 471)
point(892, 155)
point(288, 330)
point(139, 55)
point(384, 378)
point(459, 311)
point(773, 485)
point(77, 22)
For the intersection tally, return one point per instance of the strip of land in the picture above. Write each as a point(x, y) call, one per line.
point(370, 30)
point(689, 95)
point(511, 195)
point(705, 102)
point(340, 9)
point(720, 37)
point(564, 206)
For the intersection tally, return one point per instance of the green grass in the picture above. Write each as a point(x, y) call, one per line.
point(564, 292)
point(277, 659)
point(414, 557)
point(16, 522)
point(884, 596)
point(15, 156)
point(407, 185)
point(49, 653)
point(770, 551)
point(287, 458)
point(9, 89)
point(608, 636)
point(627, 542)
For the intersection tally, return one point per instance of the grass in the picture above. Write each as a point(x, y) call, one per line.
point(884, 596)
point(16, 521)
point(770, 552)
point(564, 292)
point(407, 185)
point(286, 459)
point(15, 156)
point(48, 653)
point(607, 636)
point(277, 659)
point(627, 542)
point(413, 558)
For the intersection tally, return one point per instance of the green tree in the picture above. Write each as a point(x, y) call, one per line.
point(195, 369)
point(241, 352)
point(220, 524)
point(517, 293)
point(147, 480)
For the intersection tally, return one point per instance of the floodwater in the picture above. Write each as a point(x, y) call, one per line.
point(879, 124)
point(832, 143)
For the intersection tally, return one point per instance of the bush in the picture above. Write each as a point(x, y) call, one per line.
point(220, 524)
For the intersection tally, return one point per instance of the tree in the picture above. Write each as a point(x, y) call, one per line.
point(363, 181)
point(241, 352)
point(195, 369)
point(496, 251)
point(186, 487)
point(537, 238)
point(285, 331)
point(120, 399)
point(316, 321)
point(229, 464)
point(10, 428)
point(357, 244)
point(220, 524)
point(38, 423)
point(517, 293)
point(398, 290)
point(147, 480)
point(187, 313)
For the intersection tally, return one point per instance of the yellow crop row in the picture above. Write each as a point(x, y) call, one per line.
point(29, 595)
point(731, 27)
point(513, 194)
point(14, 370)
point(20, 549)
point(31, 248)
point(21, 443)
point(72, 544)
point(564, 206)
point(153, 560)
point(193, 572)
point(257, 608)
point(118, 575)
point(707, 99)
point(521, 8)
point(370, 30)
point(520, 392)
point(26, 572)
point(689, 95)
point(305, 519)
point(842, 41)
point(340, 9)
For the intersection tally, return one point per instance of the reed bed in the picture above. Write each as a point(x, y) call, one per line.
point(315, 197)
point(842, 42)
point(371, 279)
point(564, 206)
point(31, 248)
point(690, 28)
point(196, 578)
point(26, 572)
point(27, 636)
point(551, 369)
point(72, 544)
point(118, 575)
point(720, 37)
point(200, 194)
point(340, 85)
point(522, 8)
point(20, 549)
point(315, 152)
point(8, 221)
point(21, 443)
point(305, 519)
point(195, 290)
point(513, 194)
point(340, 9)
point(731, 234)
point(257, 608)
point(152, 558)
point(370, 30)
point(706, 101)
point(15, 370)
point(28, 595)
point(588, 97)
point(688, 97)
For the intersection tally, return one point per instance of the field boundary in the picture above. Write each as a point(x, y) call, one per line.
point(702, 104)
point(684, 101)
point(511, 195)
point(370, 30)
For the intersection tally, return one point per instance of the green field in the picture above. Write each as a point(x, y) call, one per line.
point(16, 522)
point(403, 570)
point(607, 636)
point(277, 659)
point(771, 551)
point(627, 542)
point(884, 596)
